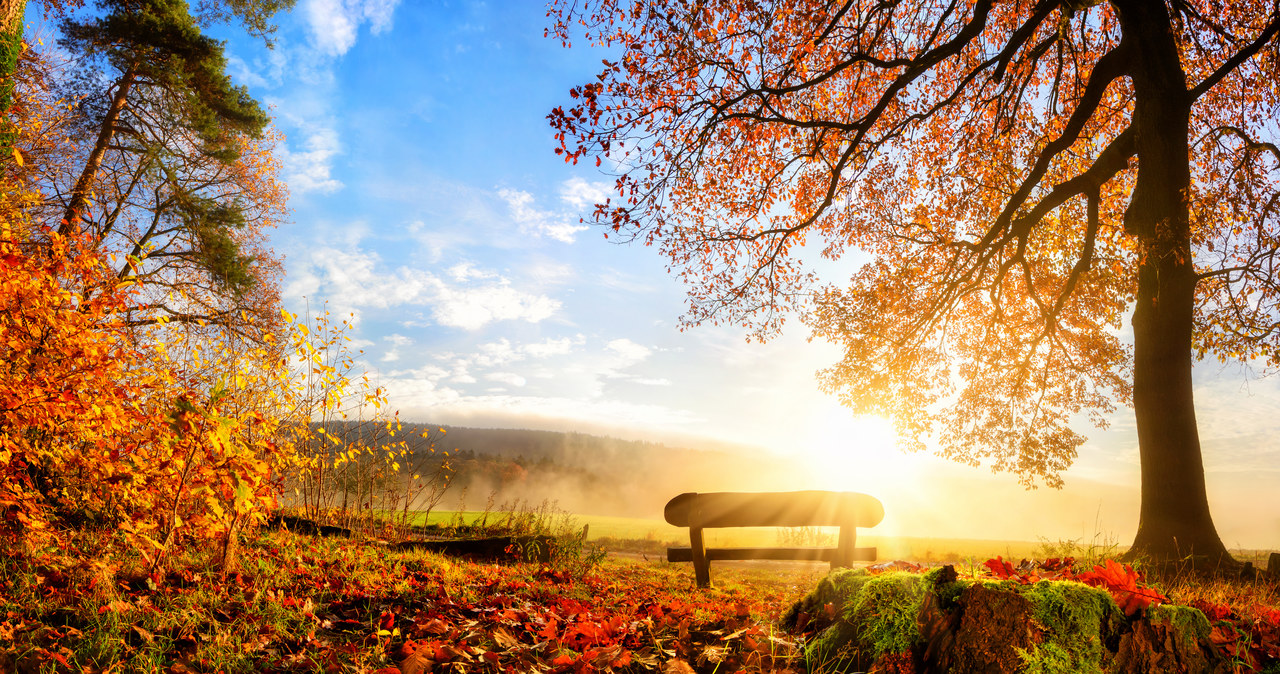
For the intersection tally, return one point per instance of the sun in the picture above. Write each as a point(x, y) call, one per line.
point(847, 453)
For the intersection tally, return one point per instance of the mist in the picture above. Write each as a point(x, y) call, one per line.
point(610, 476)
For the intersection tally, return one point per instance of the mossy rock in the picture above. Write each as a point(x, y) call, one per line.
point(876, 617)
point(936, 622)
point(834, 589)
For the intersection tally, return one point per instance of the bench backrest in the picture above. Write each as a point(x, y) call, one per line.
point(775, 509)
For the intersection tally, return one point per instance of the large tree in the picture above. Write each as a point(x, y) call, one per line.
point(175, 173)
point(1023, 175)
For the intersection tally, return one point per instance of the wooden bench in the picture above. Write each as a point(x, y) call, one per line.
point(846, 510)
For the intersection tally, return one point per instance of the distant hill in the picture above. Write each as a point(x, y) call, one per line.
point(588, 474)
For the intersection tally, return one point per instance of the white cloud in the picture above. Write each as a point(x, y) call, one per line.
point(262, 73)
point(582, 195)
point(493, 354)
point(396, 340)
point(502, 354)
point(310, 169)
point(552, 347)
point(472, 308)
point(630, 352)
point(466, 271)
point(335, 23)
point(547, 272)
point(352, 280)
point(660, 381)
point(537, 222)
point(509, 378)
point(424, 400)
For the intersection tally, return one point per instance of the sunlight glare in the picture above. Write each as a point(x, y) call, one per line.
point(850, 453)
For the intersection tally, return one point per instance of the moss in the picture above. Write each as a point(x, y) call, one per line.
point(1189, 624)
point(1074, 618)
point(885, 612)
point(877, 616)
point(1050, 626)
point(946, 585)
point(835, 589)
point(834, 650)
point(840, 586)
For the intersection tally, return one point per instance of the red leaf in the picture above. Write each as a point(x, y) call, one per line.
point(999, 568)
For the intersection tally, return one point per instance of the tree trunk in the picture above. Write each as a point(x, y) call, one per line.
point(80, 193)
point(1174, 520)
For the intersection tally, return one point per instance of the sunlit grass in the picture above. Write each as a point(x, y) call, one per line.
point(909, 548)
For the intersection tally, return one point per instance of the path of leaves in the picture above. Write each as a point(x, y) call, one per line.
point(434, 616)
point(505, 620)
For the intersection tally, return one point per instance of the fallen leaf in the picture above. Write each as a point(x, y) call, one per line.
point(677, 667)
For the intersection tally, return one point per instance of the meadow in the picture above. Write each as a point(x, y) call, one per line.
point(637, 534)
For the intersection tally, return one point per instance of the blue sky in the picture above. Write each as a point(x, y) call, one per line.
point(427, 201)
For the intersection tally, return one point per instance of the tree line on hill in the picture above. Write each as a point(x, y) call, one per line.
point(587, 474)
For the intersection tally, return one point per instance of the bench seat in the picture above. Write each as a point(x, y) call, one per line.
point(847, 510)
point(803, 554)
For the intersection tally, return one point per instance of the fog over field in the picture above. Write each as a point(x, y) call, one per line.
point(599, 475)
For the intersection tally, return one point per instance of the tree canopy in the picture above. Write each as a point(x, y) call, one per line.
point(177, 158)
point(1023, 176)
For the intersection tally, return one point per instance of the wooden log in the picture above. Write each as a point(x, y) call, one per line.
point(533, 548)
point(299, 525)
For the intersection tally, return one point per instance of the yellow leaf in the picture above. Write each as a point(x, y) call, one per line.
point(17, 157)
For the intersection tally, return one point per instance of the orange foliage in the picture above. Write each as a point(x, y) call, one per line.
point(114, 412)
point(69, 408)
point(992, 158)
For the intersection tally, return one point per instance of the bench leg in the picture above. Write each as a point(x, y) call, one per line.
point(701, 565)
point(844, 548)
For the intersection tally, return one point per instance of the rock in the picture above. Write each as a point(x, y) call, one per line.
point(939, 623)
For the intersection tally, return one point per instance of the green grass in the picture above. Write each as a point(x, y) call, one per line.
point(920, 549)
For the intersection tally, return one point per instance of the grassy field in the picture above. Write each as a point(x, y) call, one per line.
point(660, 534)
point(653, 535)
